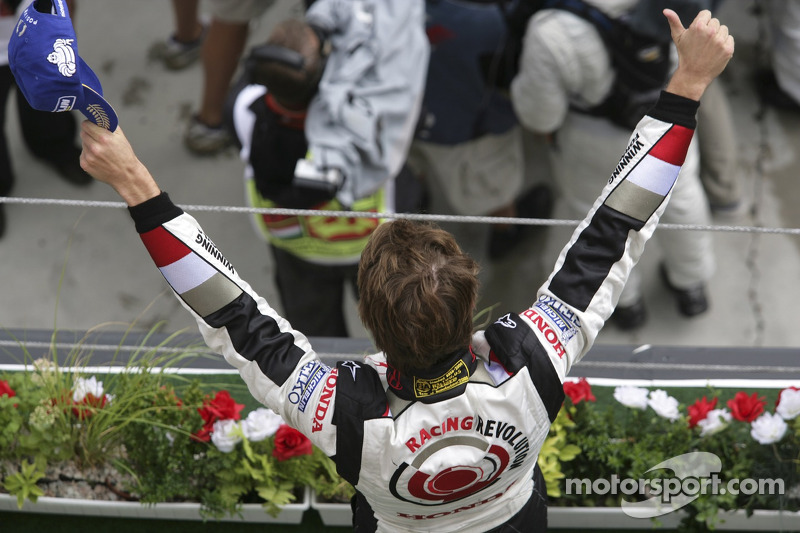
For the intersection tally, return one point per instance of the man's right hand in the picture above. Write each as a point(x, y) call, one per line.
point(704, 49)
point(108, 157)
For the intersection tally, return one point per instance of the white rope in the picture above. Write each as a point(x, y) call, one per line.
point(625, 365)
point(410, 216)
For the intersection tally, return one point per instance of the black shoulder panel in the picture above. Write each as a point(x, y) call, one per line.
point(360, 396)
point(516, 346)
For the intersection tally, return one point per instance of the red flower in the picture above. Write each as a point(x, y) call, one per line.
point(290, 443)
point(6, 389)
point(699, 410)
point(746, 408)
point(221, 407)
point(579, 391)
point(86, 407)
point(777, 402)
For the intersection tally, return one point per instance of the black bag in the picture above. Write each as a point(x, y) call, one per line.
point(274, 152)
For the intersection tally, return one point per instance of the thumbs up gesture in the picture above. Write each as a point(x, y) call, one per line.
point(704, 49)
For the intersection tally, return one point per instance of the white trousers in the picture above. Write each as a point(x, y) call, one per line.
point(584, 153)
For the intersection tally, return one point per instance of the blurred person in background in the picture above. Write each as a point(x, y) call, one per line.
point(50, 137)
point(468, 149)
point(293, 139)
point(569, 87)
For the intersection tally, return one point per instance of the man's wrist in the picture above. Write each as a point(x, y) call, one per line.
point(687, 85)
point(139, 188)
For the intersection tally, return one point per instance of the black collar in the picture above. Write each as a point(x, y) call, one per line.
point(447, 379)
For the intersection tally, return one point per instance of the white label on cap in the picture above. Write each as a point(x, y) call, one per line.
point(64, 56)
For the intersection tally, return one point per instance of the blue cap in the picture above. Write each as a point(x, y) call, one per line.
point(43, 56)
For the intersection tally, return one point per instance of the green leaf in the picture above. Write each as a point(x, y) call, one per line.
point(568, 452)
point(23, 483)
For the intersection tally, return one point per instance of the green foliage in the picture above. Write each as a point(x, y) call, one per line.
point(276, 482)
point(23, 483)
point(328, 485)
point(555, 451)
point(167, 462)
point(146, 422)
point(626, 442)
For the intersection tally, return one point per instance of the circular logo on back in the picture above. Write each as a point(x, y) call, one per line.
point(424, 482)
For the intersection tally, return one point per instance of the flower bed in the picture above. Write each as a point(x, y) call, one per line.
point(146, 436)
point(634, 448)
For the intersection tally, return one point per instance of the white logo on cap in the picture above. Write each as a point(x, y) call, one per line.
point(64, 56)
point(65, 103)
point(21, 27)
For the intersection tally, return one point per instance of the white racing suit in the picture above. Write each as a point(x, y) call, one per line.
point(452, 449)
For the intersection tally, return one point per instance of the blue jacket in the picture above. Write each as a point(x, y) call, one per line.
point(460, 103)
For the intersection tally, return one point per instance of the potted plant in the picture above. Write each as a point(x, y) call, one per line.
point(149, 437)
point(640, 438)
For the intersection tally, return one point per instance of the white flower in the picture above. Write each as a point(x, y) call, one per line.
point(768, 428)
point(44, 365)
point(715, 421)
point(261, 424)
point(226, 435)
point(85, 386)
point(789, 406)
point(664, 405)
point(635, 397)
point(44, 372)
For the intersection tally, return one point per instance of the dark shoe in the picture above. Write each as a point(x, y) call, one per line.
point(734, 208)
point(7, 184)
point(502, 240)
point(203, 139)
point(177, 55)
point(536, 203)
point(691, 302)
point(68, 166)
point(630, 317)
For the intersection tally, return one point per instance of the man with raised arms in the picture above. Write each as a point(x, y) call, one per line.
point(396, 422)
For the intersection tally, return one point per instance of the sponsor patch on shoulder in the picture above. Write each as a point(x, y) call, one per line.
point(311, 374)
point(557, 322)
point(560, 316)
point(541, 322)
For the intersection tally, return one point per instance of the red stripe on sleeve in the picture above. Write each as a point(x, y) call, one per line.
point(673, 146)
point(163, 247)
